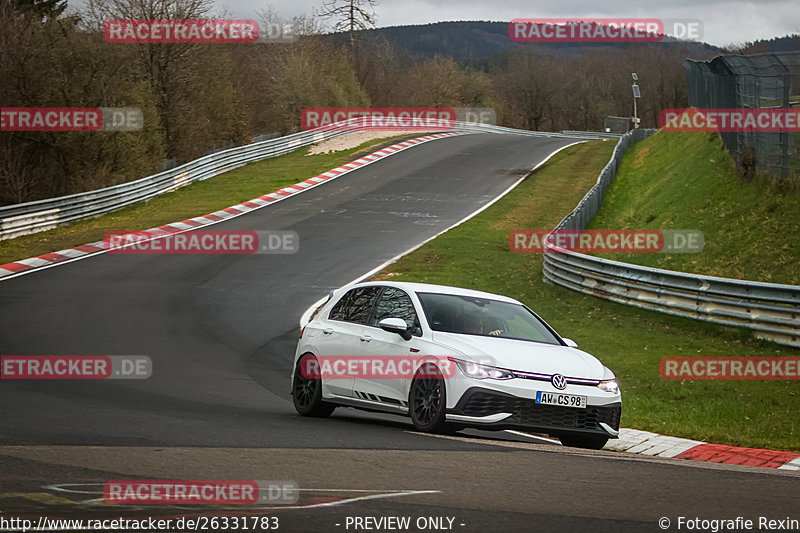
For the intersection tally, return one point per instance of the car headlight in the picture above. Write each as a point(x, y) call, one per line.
point(609, 385)
point(476, 371)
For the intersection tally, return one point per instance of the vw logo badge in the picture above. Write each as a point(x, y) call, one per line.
point(559, 381)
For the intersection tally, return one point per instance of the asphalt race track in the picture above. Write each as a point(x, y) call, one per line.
point(221, 330)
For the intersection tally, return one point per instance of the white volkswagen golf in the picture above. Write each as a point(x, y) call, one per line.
point(451, 358)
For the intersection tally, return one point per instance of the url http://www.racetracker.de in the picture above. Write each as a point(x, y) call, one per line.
point(198, 523)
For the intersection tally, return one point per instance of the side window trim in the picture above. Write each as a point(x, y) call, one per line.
point(371, 315)
point(417, 323)
point(374, 308)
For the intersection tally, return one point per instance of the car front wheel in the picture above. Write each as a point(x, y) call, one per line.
point(307, 390)
point(427, 400)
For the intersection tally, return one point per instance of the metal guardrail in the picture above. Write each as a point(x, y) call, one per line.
point(771, 310)
point(488, 128)
point(593, 134)
point(41, 215)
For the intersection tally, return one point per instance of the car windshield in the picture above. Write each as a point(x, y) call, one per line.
point(469, 315)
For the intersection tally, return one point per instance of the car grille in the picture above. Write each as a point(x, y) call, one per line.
point(528, 412)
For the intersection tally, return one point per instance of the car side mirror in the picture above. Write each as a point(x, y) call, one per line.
point(571, 343)
point(395, 325)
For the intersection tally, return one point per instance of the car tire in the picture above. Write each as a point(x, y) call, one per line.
point(591, 442)
point(307, 393)
point(427, 400)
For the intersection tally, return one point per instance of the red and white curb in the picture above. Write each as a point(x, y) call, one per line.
point(51, 259)
point(653, 444)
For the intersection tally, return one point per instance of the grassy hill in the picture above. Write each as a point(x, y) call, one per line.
point(480, 40)
point(689, 181)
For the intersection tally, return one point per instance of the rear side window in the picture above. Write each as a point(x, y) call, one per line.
point(319, 307)
point(356, 306)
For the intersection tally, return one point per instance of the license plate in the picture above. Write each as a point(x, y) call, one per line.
point(564, 400)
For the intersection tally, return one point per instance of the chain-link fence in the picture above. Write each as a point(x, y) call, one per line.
point(613, 124)
point(760, 81)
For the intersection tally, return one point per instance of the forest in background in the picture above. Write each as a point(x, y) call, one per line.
point(199, 97)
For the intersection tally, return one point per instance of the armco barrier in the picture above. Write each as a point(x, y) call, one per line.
point(41, 215)
point(771, 310)
point(31, 217)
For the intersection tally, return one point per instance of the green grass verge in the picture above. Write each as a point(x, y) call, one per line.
point(197, 199)
point(629, 341)
point(689, 181)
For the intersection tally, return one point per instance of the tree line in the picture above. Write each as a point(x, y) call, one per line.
point(195, 97)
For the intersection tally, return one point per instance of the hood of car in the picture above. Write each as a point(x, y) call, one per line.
point(523, 356)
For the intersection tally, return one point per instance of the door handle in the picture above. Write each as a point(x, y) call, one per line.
point(327, 331)
point(366, 338)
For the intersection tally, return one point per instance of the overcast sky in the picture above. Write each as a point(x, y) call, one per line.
point(724, 22)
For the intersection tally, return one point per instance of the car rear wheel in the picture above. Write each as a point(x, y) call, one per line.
point(307, 390)
point(427, 400)
point(591, 442)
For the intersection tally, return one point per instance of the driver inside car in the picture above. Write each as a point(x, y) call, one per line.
point(474, 324)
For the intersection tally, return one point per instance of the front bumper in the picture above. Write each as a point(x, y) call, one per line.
point(481, 407)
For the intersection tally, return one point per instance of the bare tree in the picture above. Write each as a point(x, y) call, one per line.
point(161, 61)
point(16, 177)
point(527, 87)
point(313, 73)
point(43, 9)
point(350, 16)
point(441, 82)
point(381, 68)
point(298, 25)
